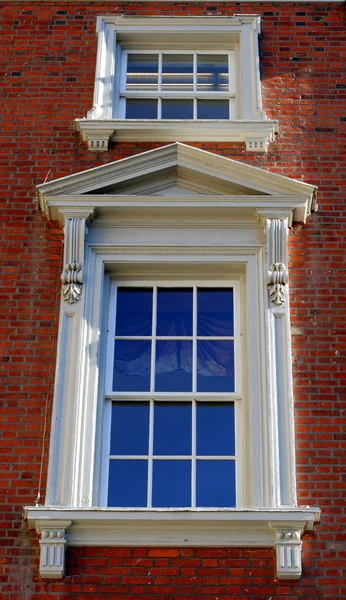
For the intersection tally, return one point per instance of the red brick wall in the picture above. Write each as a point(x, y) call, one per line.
point(47, 65)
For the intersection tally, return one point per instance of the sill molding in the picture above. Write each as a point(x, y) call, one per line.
point(99, 132)
point(280, 528)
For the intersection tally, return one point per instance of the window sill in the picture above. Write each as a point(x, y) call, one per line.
point(98, 132)
point(280, 528)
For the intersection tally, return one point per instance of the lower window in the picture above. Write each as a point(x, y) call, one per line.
point(172, 394)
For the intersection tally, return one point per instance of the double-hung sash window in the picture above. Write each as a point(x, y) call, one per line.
point(172, 394)
point(182, 85)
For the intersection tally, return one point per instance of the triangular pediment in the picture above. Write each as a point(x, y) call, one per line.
point(176, 171)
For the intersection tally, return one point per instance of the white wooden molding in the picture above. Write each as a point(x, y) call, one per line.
point(72, 275)
point(116, 32)
point(109, 527)
point(288, 547)
point(52, 547)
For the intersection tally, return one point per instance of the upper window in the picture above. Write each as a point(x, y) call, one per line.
point(170, 401)
point(157, 77)
point(170, 85)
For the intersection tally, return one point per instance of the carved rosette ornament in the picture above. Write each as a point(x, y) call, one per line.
point(277, 283)
point(72, 282)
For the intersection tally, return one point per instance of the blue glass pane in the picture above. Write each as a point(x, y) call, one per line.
point(177, 72)
point(212, 72)
point(142, 72)
point(130, 428)
point(215, 483)
point(174, 311)
point(215, 312)
point(141, 109)
point(134, 311)
point(177, 109)
point(213, 109)
point(173, 366)
point(215, 366)
point(172, 428)
point(131, 366)
point(215, 429)
point(128, 483)
point(171, 483)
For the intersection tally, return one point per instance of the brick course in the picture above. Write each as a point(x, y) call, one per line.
point(47, 65)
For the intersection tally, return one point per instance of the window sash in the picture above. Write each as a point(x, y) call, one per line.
point(195, 95)
point(191, 397)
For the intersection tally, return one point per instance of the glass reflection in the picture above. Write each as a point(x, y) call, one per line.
point(172, 428)
point(131, 366)
point(134, 311)
point(177, 72)
point(130, 428)
point(128, 483)
point(174, 311)
point(215, 366)
point(212, 72)
point(215, 483)
point(171, 483)
point(215, 312)
point(142, 72)
point(215, 429)
point(173, 366)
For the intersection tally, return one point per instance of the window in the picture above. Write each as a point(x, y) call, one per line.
point(208, 244)
point(170, 85)
point(157, 78)
point(171, 387)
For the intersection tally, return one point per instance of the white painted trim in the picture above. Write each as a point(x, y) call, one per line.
point(239, 32)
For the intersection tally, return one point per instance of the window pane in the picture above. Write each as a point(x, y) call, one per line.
point(142, 72)
point(215, 484)
point(174, 311)
point(212, 109)
point(177, 109)
point(141, 109)
point(130, 428)
point(177, 72)
point(131, 366)
point(215, 366)
point(134, 311)
point(173, 366)
point(128, 483)
point(172, 428)
point(212, 72)
point(171, 483)
point(215, 429)
point(215, 312)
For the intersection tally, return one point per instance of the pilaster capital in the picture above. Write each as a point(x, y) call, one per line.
point(276, 229)
point(72, 275)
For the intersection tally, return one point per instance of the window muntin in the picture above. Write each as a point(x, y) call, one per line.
point(177, 85)
point(168, 417)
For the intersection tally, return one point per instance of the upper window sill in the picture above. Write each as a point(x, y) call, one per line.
point(278, 527)
point(98, 132)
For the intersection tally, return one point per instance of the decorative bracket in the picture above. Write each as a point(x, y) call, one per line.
point(52, 548)
point(277, 275)
point(288, 552)
point(72, 275)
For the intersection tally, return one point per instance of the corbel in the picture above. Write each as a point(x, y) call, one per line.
point(52, 548)
point(72, 276)
point(276, 231)
point(288, 546)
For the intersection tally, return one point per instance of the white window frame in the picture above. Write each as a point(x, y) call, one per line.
point(237, 35)
point(235, 397)
point(226, 234)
